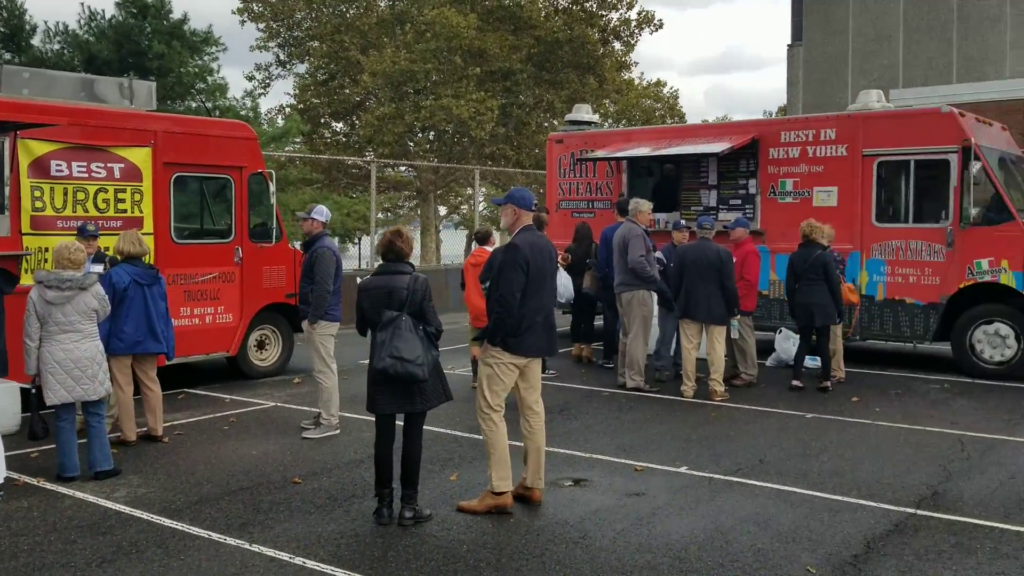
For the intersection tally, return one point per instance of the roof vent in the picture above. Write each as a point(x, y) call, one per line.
point(582, 114)
point(870, 100)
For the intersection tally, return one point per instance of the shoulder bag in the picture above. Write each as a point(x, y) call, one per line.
point(401, 349)
point(591, 284)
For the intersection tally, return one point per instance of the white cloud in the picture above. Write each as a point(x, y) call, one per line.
point(725, 56)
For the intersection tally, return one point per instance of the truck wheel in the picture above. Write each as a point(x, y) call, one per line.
point(988, 341)
point(267, 347)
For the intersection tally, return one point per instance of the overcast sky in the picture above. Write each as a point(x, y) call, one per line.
point(725, 56)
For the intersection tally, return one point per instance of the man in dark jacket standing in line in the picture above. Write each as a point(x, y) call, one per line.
point(668, 357)
point(320, 312)
point(706, 299)
point(741, 347)
point(606, 277)
point(520, 332)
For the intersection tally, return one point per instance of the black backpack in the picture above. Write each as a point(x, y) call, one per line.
point(401, 350)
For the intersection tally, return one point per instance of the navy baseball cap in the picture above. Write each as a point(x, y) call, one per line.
point(87, 230)
point(705, 223)
point(740, 222)
point(519, 197)
point(679, 225)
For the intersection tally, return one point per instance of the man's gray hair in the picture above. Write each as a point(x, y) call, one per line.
point(637, 205)
point(705, 233)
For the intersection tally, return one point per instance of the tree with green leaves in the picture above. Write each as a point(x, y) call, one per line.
point(777, 113)
point(454, 81)
point(721, 118)
point(138, 38)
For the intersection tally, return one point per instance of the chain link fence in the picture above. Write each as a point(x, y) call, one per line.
point(441, 204)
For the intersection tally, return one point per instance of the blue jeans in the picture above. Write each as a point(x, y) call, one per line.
point(100, 458)
point(666, 356)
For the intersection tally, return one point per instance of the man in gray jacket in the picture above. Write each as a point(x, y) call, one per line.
point(636, 276)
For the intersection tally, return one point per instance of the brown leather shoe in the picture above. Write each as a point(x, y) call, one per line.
point(741, 382)
point(718, 396)
point(487, 503)
point(526, 495)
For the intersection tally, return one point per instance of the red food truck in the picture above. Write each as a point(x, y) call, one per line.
point(926, 203)
point(79, 149)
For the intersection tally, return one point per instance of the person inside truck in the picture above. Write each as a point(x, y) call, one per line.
point(665, 194)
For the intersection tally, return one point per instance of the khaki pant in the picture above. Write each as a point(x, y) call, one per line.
point(741, 352)
point(835, 352)
point(501, 373)
point(111, 412)
point(144, 368)
point(636, 316)
point(321, 338)
point(691, 333)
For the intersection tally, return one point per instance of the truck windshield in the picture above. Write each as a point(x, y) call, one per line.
point(1008, 168)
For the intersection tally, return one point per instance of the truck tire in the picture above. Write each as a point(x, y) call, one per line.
point(988, 341)
point(267, 347)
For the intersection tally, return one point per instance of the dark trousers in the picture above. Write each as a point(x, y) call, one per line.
point(584, 309)
point(611, 323)
point(820, 335)
point(412, 453)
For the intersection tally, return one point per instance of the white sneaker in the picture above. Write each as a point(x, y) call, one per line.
point(322, 431)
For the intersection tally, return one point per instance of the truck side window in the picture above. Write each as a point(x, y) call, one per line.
point(262, 215)
point(913, 192)
point(202, 208)
point(5, 212)
point(984, 206)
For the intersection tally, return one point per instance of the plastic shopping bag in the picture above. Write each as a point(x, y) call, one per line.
point(564, 293)
point(786, 343)
point(652, 341)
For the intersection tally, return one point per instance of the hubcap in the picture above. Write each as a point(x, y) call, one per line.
point(265, 345)
point(995, 343)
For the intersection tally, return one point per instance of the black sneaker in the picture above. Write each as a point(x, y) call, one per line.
point(549, 372)
point(107, 474)
point(608, 364)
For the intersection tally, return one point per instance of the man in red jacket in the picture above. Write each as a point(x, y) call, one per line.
point(741, 345)
point(473, 291)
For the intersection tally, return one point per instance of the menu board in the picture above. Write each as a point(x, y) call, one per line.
point(724, 187)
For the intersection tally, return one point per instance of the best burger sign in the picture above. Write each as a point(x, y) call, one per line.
point(64, 185)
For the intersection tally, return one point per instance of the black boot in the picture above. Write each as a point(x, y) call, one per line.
point(384, 514)
point(475, 364)
point(411, 512)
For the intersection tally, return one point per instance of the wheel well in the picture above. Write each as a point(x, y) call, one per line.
point(289, 312)
point(971, 296)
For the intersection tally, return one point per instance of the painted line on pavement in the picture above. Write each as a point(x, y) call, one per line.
point(686, 471)
point(261, 406)
point(163, 393)
point(167, 522)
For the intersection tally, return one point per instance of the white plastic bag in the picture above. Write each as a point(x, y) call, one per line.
point(564, 294)
point(786, 343)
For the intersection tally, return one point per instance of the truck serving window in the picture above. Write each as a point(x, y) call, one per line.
point(261, 211)
point(202, 208)
point(913, 192)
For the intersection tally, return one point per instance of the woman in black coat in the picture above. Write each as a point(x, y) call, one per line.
point(815, 299)
point(579, 256)
point(387, 288)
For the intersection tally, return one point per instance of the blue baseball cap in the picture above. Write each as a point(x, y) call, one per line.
point(740, 222)
point(519, 197)
point(705, 223)
point(87, 230)
point(679, 225)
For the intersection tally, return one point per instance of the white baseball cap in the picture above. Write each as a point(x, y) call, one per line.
point(316, 212)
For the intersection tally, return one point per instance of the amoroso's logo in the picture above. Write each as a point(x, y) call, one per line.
point(789, 191)
point(984, 270)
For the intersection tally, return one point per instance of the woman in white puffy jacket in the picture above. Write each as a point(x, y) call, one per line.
point(65, 357)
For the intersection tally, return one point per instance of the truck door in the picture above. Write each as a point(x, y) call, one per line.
point(906, 242)
point(202, 264)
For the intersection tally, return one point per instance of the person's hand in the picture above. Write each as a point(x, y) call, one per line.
point(484, 349)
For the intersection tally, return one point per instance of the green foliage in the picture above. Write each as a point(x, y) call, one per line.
point(453, 81)
point(722, 118)
point(777, 113)
point(138, 38)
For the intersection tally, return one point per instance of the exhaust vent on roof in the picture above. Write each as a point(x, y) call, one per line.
point(870, 100)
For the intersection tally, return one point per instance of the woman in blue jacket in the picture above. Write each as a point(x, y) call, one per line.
point(137, 332)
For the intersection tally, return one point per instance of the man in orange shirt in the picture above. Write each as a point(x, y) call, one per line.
point(473, 292)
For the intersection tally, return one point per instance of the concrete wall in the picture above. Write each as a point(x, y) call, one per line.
point(854, 45)
point(444, 286)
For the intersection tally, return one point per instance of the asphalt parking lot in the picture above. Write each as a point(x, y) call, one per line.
point(907, 468)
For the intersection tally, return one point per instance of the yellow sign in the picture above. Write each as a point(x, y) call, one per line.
point(64, 185)
point(41, 252)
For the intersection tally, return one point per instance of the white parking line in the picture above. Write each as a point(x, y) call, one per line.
point(682, 470)
point(297, 560)
point(165, 392)
point(781, 411)
point(261, 406)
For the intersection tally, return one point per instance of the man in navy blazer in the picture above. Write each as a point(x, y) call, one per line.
point(520, 332)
